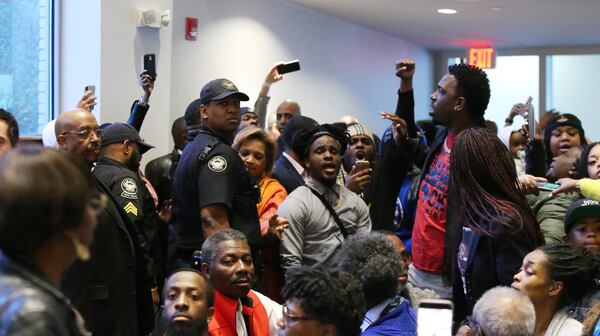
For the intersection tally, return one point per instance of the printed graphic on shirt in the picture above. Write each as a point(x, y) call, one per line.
point(129, 188)
point(464, 253)
point(130, 208)
point(217, 164)
point(434, 189)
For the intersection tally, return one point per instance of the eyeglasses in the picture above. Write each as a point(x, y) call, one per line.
point(288, 318)
point(86, 133)
point(98, 203)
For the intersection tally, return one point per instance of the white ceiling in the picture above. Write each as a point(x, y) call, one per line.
point(520, 23)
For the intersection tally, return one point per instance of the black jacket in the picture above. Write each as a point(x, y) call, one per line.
point(30, 306)
point(160, 172)
point(493, 261)
point(286, 174)
point(395, 162)
point(112, 289)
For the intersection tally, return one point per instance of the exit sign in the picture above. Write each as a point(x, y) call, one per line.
point(484, 58)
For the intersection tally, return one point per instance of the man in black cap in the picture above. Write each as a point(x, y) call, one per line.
point(249, 118)
point(212, 189)
point(120, 155)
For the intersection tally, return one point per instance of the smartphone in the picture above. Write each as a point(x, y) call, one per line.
point(90, 88)
point(150, 65)
point(434, 318)
point(361, 165)
point(548, 186)
point(530, 118)
point(287, 67)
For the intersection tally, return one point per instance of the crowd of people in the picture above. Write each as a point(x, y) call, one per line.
point(292, 227)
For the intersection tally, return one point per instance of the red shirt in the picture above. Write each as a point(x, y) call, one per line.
point(430, 218)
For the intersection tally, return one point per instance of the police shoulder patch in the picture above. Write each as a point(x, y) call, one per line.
point(217, 164)
point(228, 85)
point(129, 188)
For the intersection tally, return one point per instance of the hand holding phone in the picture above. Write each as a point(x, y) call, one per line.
point(91, 88)
point(548, 186)
point(150, 65)
point(530, 118)
point(288, 67)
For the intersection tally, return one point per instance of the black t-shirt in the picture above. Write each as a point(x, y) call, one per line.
point(211, 172)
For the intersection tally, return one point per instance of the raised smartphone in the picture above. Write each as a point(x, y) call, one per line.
point(288, 67)
point(150, 65)
point(90, 88)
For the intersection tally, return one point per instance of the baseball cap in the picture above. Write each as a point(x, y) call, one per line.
point(119, 132)
point(245, 110)
point(580, 209)
point(218, 89)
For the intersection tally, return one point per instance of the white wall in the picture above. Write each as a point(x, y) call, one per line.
point(101, 45)
point(574, 84)
point(347, 69)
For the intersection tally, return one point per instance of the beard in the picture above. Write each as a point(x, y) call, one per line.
point(134, 162)
point(194, 328)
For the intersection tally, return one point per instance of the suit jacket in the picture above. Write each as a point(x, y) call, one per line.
point(286, 174)
point(112, 289)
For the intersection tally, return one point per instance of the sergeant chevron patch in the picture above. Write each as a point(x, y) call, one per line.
point(130, 208)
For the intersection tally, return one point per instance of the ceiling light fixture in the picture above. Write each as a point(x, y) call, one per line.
point(496, 8)
point(446, 11)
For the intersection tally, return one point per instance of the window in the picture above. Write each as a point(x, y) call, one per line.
point(512, 81)
point(26, 62)
point(572, 86)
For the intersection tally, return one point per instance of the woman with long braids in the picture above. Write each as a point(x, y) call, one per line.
point(498, 229)
point(555, 277)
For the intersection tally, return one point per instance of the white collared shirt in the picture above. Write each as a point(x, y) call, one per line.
point(374, 313)
point(274, 313)
point(296, 165)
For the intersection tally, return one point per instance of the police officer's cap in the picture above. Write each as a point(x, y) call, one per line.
point(119, 132)
point(220, 88)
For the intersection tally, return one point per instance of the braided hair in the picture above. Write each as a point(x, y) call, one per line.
point(577, 268)
point(328, 297)
point(484, 182)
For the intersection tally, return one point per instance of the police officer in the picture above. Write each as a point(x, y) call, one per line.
point(212, 190)
point(118, 165)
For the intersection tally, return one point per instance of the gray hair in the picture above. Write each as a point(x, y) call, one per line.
point(503, 311)
point(210, 245)
point(373, 260)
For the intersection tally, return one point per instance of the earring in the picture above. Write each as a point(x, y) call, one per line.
point(82, 251)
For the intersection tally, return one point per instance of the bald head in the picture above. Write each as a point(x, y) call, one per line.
point(77, 133)
point(286, 111)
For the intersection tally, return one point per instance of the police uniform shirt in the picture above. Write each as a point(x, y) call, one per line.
point(210, 172)
point(124, 184)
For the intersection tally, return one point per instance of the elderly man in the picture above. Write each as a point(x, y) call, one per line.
point(238, 310)
point(374, 260)
point(501, 311)
point(112, 289)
